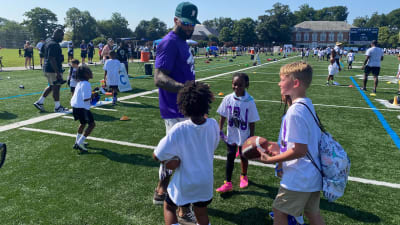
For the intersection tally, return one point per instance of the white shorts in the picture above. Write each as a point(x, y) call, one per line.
point(169, 123)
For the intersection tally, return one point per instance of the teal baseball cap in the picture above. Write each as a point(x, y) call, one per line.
point(187, 12)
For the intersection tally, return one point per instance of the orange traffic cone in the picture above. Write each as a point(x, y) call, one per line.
point(124, 118)
point(395, 101)
point(220, 94)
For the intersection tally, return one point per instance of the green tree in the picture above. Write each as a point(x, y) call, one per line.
point(150, 30)
point(41, 22)
point(393, 19)
point(361, 21)
point(219, 23)
point(119, 26)
point(244, 32)
point(305, 13)
point(276, 25)
point(334, 13)
point(225, 35)
point(377, 20)
point(83, 25)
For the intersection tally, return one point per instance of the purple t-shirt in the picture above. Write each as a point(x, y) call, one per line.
point(173, 54)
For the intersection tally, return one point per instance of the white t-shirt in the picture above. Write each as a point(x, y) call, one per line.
point(39, 45)
point(239, 112)
point(375, 54)
point(73, 81)
point(300, 174)
point(194, 145)
point(337, 50)
point(112, 66)
point(83, 91)
point(350, 57)
point(333, 69)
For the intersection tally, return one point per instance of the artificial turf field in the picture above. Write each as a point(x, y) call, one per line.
point(45, 181)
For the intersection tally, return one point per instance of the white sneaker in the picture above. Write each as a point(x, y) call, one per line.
point(39, 106)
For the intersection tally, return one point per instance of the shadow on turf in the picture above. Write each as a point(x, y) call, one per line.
point(136, 159)
point(251, 216)
point(7, 115)
point(271, 192)
point(102, 117)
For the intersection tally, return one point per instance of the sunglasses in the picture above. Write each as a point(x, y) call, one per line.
point(187, 24)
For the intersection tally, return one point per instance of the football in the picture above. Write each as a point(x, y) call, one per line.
point(249, 148)
point(172, 163)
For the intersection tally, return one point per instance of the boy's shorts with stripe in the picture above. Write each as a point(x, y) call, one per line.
point(83, 115)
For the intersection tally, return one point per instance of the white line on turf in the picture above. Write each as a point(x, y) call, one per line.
point(355, 179)
point(68, 117)
point(134, 103)
point(113, 110)
point(55, 115)
point(148, 96)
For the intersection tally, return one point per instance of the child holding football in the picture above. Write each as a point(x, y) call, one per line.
point(192, 143)
point(80, 103)
point(301, 182)
point(111, 74)
point(240, 111)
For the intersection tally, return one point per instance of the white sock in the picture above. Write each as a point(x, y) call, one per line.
point(78, 136)
point(81, 140)
point(57, 104)
point(41, 100)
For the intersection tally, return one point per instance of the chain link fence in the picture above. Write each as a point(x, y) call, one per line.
point(14, 39)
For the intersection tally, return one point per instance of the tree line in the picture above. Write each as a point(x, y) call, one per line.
point(274, 27)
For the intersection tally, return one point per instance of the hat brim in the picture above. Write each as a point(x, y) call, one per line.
point(339, 43)
point(187, 20)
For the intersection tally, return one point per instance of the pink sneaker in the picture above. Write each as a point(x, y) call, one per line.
point(244, 181)
point(237, 153)
point(227, 186)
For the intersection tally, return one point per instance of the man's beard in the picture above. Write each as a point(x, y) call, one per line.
point(182, 34)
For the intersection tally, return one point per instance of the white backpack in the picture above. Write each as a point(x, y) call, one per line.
point(334, 162)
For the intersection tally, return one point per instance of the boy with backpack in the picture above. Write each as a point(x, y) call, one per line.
point(301, 182)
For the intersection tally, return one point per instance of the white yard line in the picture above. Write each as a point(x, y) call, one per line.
point(68, 117)
point(124, 143)
point(113, 110)
point(55, 115)
point(134, 103)
point(148, 96)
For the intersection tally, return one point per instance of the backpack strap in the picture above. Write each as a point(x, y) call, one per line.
point(316, 118)
point(318, 121)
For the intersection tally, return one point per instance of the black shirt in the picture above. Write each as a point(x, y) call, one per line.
point(122, 55)
point(52, 49)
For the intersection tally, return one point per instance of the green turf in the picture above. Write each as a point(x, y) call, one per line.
point(44, 181)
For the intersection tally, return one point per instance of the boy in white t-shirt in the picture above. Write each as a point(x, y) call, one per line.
point(350, 58)
point(193, 141)
point(111, 74)
point(332, 70)
point(80, 103)
point(72, 80)
point(301, 182)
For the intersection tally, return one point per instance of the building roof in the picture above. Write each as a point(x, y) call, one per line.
point(203, 31)
point(323, 26)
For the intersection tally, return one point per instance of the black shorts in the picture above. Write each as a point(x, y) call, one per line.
point(90, 55)
point(72, 89)
point(113, 86)
point(197, 204)
point(83, 54)
point(374, 70)
point(41, 55)
point(350, 63)
point(83, 115)
point(71, 53)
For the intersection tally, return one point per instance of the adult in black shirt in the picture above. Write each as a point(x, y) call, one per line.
point(52, 70)
point(90, 47)
point(122, 54)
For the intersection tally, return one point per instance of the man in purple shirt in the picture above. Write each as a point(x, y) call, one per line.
point(174, 66)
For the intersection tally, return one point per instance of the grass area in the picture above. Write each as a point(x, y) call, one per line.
point(44, 181)
point(11, 56)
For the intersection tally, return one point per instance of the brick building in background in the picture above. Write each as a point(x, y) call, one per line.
point(312, 34)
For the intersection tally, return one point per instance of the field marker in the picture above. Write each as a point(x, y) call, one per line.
point(384, 123)
point(113, 110)
point(255, 163)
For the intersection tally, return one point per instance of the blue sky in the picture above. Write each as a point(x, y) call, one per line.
point(135, 10)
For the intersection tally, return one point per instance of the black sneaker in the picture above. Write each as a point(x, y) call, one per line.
point(61, 109)
point(188, 216)
point(82, 148)
point(39, 106)
point(158, 199)
point(364, 89)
